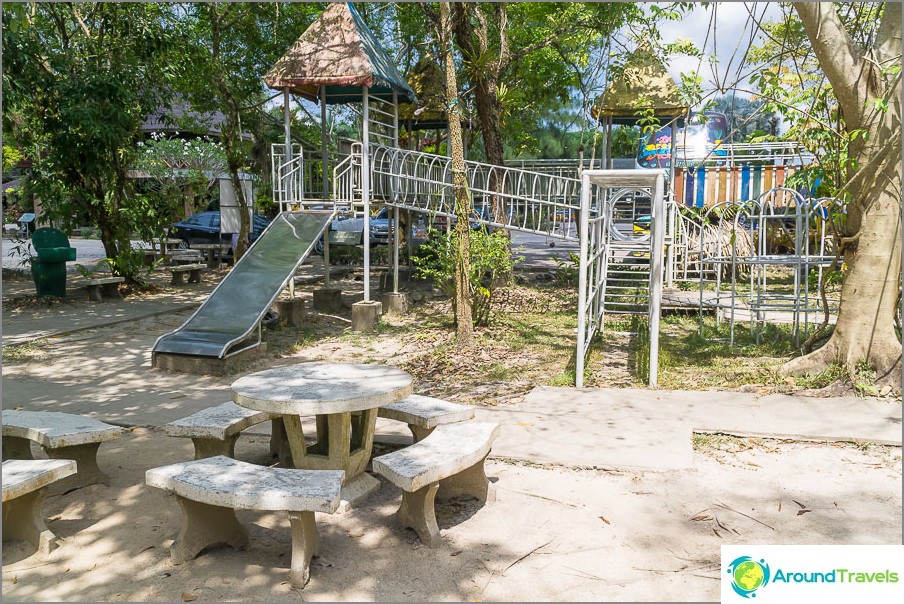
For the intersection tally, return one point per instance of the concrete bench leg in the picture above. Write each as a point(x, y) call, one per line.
point(85, 456)
point(472, 481)
point(94, 293)
point(16, 448)
point(111, 290)
point(418, 433)
point(194, 276)
point(304, 547)
point(205, 525)
point(211, 447)
point(178, 278)
point(279, 443)
point(417, 512)
point(22, 521)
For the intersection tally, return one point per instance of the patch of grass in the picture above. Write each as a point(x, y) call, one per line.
point(28, 352)
point(821, 380)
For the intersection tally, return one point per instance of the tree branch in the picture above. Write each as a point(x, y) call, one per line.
point(838, 55)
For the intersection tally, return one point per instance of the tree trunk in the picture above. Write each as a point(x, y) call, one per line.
point(864, 331)
point(463, 321)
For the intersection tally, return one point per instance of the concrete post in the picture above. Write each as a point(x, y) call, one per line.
point(364, 315)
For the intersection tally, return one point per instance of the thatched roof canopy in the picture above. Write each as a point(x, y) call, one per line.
point(340, 52)
point(645, 82)
point(427, 81)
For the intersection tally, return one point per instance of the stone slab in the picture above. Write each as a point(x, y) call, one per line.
point(624, 428)
point(52, 429)
point(321, 388)
point(426, 411)
point(105, 281)
point(448, 450)
point(227, 482)
point(22, 476)
point(218, 422)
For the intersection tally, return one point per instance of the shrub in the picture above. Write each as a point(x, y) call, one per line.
point(491, 264)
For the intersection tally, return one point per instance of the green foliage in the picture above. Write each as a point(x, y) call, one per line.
point(79, 81)
point(491, 263)
point(791, 83)
point(11, 157)
point(567, 271)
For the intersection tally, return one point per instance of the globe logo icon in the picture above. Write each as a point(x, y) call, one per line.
point(748, 575)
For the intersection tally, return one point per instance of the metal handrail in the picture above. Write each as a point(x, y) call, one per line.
point(504, 197)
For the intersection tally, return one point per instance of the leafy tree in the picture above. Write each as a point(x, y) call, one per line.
point(862, 65)
point(442, 24)
point(77, 85)
point(227, 49)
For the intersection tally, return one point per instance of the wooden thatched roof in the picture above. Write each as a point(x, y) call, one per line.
point(340, 52)
point(645, 82)
point(426, 80)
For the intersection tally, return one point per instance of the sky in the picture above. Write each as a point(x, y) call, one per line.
point(732, 30)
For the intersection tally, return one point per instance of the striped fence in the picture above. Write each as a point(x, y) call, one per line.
point(706, 186)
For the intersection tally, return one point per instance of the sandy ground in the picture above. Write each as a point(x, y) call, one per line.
point(554, 533)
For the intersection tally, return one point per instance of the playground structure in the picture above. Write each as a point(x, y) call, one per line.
point(639, 230)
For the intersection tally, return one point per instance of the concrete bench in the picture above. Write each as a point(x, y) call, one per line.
point(62, 436)
point(184, 257)
point(424, 413)
point(447, 463)
point(23, 495)
point(214, 430)
point(193, 271)
point(210, 490)
point(103, 287)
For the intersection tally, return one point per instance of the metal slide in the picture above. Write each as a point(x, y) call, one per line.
point(229, 320)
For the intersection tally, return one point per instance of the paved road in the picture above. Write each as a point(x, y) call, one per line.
point(536, 251)
point(87, 251)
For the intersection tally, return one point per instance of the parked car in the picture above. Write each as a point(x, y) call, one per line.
point(205, 228)
point(478, 212)
point(350, 231)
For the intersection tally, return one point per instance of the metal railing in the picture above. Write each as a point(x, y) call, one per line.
point(503, 197)
point(779, 153)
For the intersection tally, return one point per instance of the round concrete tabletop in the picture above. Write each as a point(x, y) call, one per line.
point(321, 388)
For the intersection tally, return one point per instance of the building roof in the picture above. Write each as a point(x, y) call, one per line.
point(645, 82)
point(340, 52)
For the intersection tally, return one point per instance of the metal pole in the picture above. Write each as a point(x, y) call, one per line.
point(672, 210)
point(603, 162)
point(657, 240)
point(365, 187)
point(395, 250)
point(324, 155)
point(395, 119)
point(582, 281)
point(287, 181)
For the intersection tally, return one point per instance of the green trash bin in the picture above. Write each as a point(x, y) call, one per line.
point(48, 268)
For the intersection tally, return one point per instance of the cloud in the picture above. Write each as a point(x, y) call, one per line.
point(723, 29)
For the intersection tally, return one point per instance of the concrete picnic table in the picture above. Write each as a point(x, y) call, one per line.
point(344, 397)
point(210, 248)
point(168, 241)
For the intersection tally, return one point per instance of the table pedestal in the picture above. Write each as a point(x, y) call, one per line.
point(344, 442)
